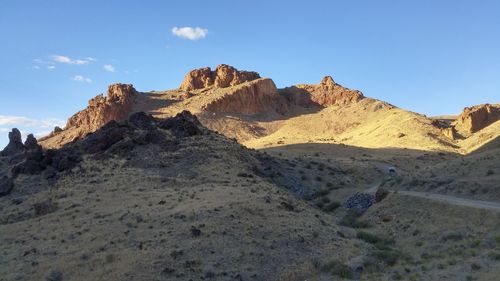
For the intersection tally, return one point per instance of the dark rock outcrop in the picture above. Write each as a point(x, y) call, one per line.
point(118, 138)
point(15, 144)
point(31, 143)
point(359, 202)
point(6, 185)
point(183, 124)
point(223, 76)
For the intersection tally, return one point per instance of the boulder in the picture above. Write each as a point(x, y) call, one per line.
point(359, 202)
point(31, 143)
point(450, 132)
point(15, 144)
point(223, 76)
point(381, 194)
point(183, 124)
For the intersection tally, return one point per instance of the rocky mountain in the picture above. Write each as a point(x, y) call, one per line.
point(117, 105)
point(242, 105)
point(309, 182)
point(158, 199)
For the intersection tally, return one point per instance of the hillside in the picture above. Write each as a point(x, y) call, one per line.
point(230, 178)
point(242, 105)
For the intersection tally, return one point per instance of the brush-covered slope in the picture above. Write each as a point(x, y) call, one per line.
point(159, 199)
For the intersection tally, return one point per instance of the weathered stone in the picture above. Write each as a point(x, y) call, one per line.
point(258, 96)
point(6, 185)
point(116, 106)
point(475, 118)
point(31, 143)
point(223, 76)
point(328, 93)
point(381, 194)
point(183, 124)
point(15, 144)
point(359, 202)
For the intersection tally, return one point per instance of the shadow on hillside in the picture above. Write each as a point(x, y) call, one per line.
point(467, 176)
point(148, 104)
point(487, 146)
point(403, 157)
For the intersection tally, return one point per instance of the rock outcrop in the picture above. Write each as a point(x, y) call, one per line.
point(475, 118)
point(328, 93)
point(257, 96)
point(450, 132)
point(223, 76)
point(15, 144)
point(117, 105)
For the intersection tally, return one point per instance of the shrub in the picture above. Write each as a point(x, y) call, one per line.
point(337, 268)
point(379, 242)
point(332, 206)
point(351, 219)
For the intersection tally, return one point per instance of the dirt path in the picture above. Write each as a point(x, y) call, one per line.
point(480, 204)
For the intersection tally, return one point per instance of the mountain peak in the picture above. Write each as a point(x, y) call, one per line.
point(223, 76)
point(327, 81)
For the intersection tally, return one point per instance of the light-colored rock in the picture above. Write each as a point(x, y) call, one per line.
point(254, 97)
point(223, 76)
point(117, 105)
point(475, 118)
point(328, 93)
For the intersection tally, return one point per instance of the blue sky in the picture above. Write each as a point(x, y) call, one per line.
point(433, 57)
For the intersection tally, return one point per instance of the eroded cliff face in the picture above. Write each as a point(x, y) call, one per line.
point(257, 96)
point(328, 93)
point(116, 105)
point(475, 118)
point(223, 76)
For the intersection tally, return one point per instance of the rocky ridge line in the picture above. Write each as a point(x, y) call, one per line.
point(222, 77)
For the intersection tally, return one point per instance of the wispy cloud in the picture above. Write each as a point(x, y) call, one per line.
point(51, 67)
point(109, 67)
point(190, 33)
point(80, 78)
point(39, 127)
point(21, 121)
point(68, 60)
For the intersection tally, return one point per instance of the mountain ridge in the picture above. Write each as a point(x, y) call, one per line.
point(242, 105)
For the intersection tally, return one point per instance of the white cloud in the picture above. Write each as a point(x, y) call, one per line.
point(36, 67)
point(80, 78)
point(39, 127)
point(51, 67)
point(109, 67)
point(190, 33)
point(68, 60)
point(21, 121)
